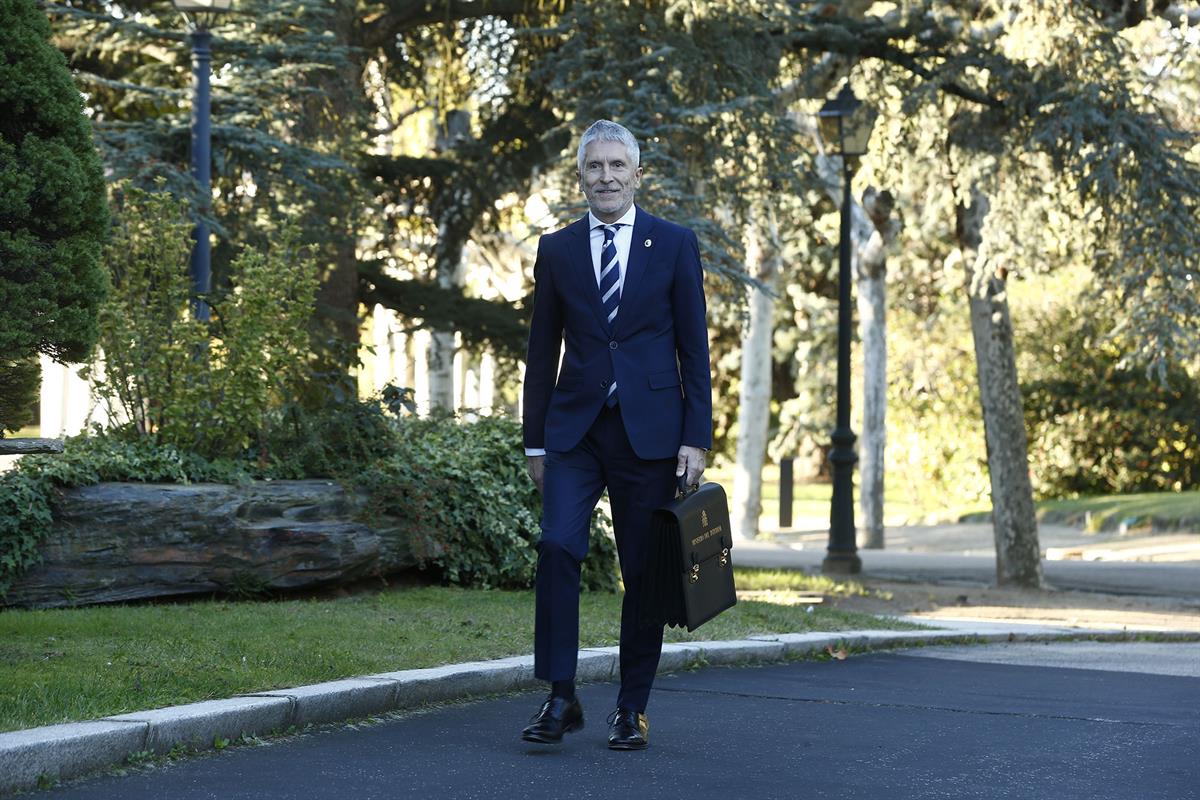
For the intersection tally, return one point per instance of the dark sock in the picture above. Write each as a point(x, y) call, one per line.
point(564, 689)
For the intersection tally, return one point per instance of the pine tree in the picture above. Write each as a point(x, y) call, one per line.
point(53, 215)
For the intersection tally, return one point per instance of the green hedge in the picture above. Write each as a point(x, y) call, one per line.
point(460, 486)
point(1099, 426)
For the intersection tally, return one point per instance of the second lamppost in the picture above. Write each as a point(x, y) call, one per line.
point(200, 15)
point(845, 125)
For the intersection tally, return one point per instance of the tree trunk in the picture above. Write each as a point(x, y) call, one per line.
point(442, 349)
point(762, 261)
point(872, 327)
point(456, 215)
point(1018, 554)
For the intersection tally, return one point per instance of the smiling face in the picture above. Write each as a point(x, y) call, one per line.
point(609, 179)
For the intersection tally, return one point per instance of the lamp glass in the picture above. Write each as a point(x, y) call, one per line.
point(856, 131)
point(846, 122)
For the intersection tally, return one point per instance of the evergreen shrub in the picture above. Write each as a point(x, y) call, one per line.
point(53, 215)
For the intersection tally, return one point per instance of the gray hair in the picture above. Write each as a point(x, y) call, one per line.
point(603, 130)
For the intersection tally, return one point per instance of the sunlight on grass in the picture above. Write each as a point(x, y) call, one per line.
point(795, 581)
point(1166, 510)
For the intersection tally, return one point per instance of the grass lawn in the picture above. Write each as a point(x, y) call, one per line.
point(75, 664)
point(1167, 510)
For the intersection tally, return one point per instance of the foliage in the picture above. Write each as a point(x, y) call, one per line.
point(176, 378)
point(460, 487)
point(473, 511)
point(19, 381)
point(272, 158)
point(1098, 426)
point(936, 455)
point(53, 218)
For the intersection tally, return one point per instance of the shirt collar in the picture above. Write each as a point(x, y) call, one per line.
point(627, 219)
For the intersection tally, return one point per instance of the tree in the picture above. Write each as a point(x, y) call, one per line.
point(1033, 97)
point(53, 216)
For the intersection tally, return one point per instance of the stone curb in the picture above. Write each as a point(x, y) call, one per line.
point(73, 749)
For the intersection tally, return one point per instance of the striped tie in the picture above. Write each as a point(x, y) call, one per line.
point(610, 289)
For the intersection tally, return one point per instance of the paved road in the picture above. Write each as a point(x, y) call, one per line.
point(947, 723)
point(1140, 578)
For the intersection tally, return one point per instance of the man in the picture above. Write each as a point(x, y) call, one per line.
point(630, 411)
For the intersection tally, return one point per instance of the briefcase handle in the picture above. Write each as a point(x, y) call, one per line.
point(684, 488)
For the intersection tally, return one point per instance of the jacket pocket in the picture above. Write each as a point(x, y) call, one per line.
point(665, 379)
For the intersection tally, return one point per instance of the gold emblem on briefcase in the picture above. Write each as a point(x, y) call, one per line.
point(703, 518)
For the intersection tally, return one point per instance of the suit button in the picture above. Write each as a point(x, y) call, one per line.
point(612, 345)
point(603, 384)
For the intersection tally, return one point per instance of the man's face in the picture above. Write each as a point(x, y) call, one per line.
point(609, 180)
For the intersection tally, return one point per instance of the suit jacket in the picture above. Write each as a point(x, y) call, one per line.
point(656, 349)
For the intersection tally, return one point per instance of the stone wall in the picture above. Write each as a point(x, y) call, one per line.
point(130, 541)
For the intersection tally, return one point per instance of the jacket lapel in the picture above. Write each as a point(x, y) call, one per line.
point(581, 264)
point(641, 247)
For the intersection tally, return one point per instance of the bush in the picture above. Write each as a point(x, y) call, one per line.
point(471, 507)
point(1098, 427)
point(459, 487)
point(184, 382)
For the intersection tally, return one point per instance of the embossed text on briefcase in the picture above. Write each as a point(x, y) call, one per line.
point(689, 574)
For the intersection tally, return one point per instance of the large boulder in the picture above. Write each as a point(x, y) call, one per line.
point(129, 541)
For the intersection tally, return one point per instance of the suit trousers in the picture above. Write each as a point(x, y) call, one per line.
point(574, 481)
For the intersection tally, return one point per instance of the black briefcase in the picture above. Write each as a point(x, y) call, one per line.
point(689, 574)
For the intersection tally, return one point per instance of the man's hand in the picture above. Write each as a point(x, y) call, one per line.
point(537, 471)
point(690, 462)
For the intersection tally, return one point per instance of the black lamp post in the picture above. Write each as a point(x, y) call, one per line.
point(845, 125)
point(200, 16)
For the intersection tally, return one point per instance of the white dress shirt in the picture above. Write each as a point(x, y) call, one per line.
point(623, 239)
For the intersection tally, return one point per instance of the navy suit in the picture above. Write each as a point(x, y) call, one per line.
point(657, 352)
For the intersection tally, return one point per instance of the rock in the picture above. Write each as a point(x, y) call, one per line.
point(130, 541)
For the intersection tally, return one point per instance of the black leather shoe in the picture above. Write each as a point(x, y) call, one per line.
point(557, 716)
point(628, 730)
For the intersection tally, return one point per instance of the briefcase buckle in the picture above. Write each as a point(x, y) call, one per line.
point(695, 576)
point(725, 557)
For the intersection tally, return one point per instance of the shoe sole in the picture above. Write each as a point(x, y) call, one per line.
point(641, 746)
point(535, 739)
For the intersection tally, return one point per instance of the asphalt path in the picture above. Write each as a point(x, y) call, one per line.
point(1002, 721)
point(1132, 578)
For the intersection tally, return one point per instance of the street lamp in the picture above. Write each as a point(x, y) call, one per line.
point(845, 125)
point(200, 15)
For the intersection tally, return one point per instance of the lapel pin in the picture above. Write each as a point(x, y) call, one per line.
point(647, 243)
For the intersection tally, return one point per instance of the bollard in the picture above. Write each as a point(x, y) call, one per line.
point(785, 493)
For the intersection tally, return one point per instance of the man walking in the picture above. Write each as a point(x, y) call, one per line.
point(630, 410)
